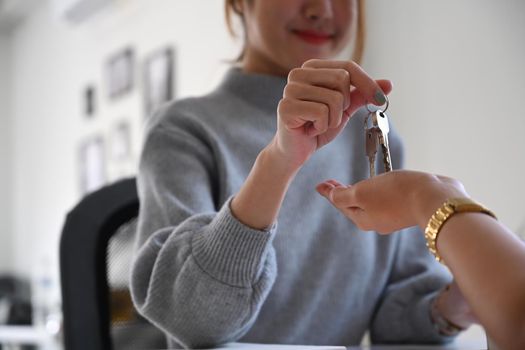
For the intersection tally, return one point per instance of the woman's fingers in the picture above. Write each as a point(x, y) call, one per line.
point(359, 99)
point(333, 99)
point(317, 103)
point(334, 79)
point(344, 199)
point(338, 194)
point(368, 87)
point(342, 85)
point(297, 114)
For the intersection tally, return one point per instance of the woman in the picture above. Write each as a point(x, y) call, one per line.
point(485, 258)
point(232, 242)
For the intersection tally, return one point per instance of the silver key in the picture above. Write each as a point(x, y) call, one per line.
point(380, 119)
point(372, 142)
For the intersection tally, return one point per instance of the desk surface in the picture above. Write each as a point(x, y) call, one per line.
point(23, 335)
point(461, 346)
point(454, 346)
point(31, 335)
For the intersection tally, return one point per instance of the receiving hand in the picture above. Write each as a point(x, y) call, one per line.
point(317, 102)
point(392, 201)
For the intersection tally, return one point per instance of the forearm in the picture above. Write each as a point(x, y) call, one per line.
point(485, 259)
point(259, 200)
point(487, 262)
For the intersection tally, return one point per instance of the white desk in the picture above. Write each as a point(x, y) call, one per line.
point(28, 335)
point(453, 346)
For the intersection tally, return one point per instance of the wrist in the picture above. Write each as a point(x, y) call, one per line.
point(272, 157)
point(431, 195)
point(259, 199)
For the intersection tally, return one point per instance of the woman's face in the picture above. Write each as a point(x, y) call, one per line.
point(281, 35)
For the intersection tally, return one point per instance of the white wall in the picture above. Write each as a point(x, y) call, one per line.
point(459, 90)
point(5, 158)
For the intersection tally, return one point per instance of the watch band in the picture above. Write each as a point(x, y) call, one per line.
point(443, 213)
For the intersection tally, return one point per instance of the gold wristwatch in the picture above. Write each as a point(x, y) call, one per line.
point(449, 208)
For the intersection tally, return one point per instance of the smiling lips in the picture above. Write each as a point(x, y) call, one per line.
point(313, 37)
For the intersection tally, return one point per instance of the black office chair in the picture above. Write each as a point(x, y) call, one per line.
point(95, 252)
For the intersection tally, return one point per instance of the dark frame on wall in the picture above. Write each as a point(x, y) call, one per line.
point(158, 79)
point(120, 69)
point(91, 164)
point(120, 141)
point(90, 101)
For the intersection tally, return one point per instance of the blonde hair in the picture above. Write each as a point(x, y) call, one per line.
point(230, 7)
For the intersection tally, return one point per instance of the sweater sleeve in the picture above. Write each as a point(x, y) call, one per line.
point(198, 274)
point(403, 315)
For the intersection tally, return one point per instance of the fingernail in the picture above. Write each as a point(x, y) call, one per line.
point(380, 97)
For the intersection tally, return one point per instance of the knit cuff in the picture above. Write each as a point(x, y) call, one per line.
point(230, 251)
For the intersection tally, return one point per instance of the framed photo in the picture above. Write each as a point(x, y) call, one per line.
point(92, 164)
point(158, 79)
point(89, 100)
point(119, 73)
point(121, 141)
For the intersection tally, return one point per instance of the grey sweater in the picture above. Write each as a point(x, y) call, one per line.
point(204, 278)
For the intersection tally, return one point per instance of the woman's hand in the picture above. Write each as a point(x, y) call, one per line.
point(392, 201)
point(317, 102)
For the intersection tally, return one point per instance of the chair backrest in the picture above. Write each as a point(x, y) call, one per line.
point(95, 252)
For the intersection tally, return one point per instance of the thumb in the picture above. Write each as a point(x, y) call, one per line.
point(358, 100)
point(324, 189)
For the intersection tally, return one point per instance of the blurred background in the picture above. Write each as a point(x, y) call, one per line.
point(78, 79)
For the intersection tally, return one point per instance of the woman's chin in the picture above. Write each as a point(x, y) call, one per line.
point(313, 54)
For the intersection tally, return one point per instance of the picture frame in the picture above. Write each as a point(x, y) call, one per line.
point(120, 73)
point(89, 101)
point(92, 165)
point(158, 78)
point(120, 141)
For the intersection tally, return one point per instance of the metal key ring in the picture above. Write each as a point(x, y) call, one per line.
point(378, 107)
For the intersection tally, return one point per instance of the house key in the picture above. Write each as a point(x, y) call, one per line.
point(377, 134)
point(371, 145)
point(380, 119)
